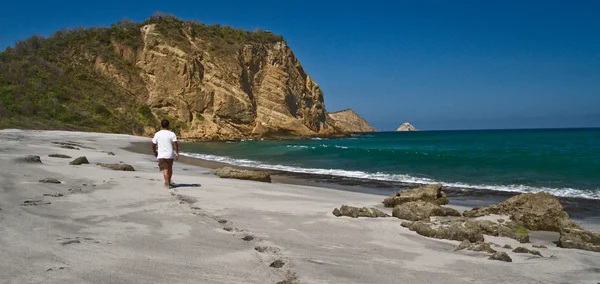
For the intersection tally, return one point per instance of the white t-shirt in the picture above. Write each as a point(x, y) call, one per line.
point(164, 139)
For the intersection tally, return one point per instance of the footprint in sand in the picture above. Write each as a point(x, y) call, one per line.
point(222, 221)
point(267, 249)
point(248, 238)
point(277, 264)
point(54, 194)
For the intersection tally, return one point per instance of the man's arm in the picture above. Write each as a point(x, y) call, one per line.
point(154, 149)
point(176, 147)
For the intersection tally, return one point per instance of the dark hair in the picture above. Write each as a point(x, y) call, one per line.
point(164, 123)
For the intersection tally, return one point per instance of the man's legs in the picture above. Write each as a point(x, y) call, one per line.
point(167, 178)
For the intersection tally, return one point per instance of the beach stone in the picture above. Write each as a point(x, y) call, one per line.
point(526, 250)
point(458, 230)
point(535, 211)
point(577, 238)
point(79, 161)
point(421, 210)
point(428, 193)
point(59, 156)
point(500, 230)
point(277, 264)
point(463, 245)
point(110, 153)
point(484, 247)
point(356, 212)
point(229, 172)
point(117, 167)
point(539, 246)
point(507, 246)
point(49, 180)
point(69, 147)
point(501, 256)
point(31, 159)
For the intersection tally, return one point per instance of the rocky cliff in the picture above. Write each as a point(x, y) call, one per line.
point(212, 82)
point(406, 127)
point(349, 121)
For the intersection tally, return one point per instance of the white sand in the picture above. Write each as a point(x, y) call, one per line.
point(131, 231)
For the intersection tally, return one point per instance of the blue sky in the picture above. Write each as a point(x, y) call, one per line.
point(437, 64)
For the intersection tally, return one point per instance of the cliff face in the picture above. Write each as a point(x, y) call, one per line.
point(212, 82)
point(406, 127)
point(256, 90)
point(349, 121)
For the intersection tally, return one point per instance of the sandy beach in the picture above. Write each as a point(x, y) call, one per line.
point(105, 226)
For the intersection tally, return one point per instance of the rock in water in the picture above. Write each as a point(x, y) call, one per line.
point(349, 121)
point(229, 172)
point(502, 256)
point(457, 230)
point(31, 159)
point(356, 212)
point(579, 239)
point(117, 167)
point(79, 161)
point(421, 210)
point(406, 127)
point(535, 211)
point(428, 193)
point(49, 180)
point(59, 156)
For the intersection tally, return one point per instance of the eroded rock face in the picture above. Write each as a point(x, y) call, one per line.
point(243, 91)
point(117, 167)
point(579, 239)
point(421, 210)
point(229, 172)
point(356, 212)
point(535, 211)
point(428, 193)
point(457, 230)
point(349, 121)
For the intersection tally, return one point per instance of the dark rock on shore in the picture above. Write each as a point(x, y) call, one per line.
point(356, 212)
point(59, 156)
point(229, 172)
point(526, 250)
point(500, 230)
point(483, 247)
point(31, 159)
point(501, 256)
point(579, 239)
point(421, 210)
point(79, 161)
point(428, 193)
point(117, 167)
point(69, 147)
point(535, 211)
point(49, 180)
point(458, 230)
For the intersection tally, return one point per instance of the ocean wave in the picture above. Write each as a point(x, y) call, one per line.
point(562, 192)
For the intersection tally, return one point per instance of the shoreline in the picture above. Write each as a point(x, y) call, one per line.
point(580, 209)
point(97, 225)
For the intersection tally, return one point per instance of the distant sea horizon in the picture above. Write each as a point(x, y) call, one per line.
point(561, 161)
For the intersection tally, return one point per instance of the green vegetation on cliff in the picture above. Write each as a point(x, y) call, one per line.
point(52, 83)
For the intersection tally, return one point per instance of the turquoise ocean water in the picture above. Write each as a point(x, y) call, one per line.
point(565, 162)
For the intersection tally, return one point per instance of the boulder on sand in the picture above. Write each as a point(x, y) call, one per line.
point(31, 159)
point(59, 156)
point(535, 211)
point(501, 230)
point(356, 212)
point(117, 167)
point(429, 193)
point(79, 161)
point(229, 172)
point(457, 230)
point(578, 238)
point(421, 210)
point(501, 256)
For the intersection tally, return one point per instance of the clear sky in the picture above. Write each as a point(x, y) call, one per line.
point(438, 64)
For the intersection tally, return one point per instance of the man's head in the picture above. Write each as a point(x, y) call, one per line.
point(164, 124)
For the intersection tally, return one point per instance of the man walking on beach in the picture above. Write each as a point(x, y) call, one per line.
point(165, 147)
